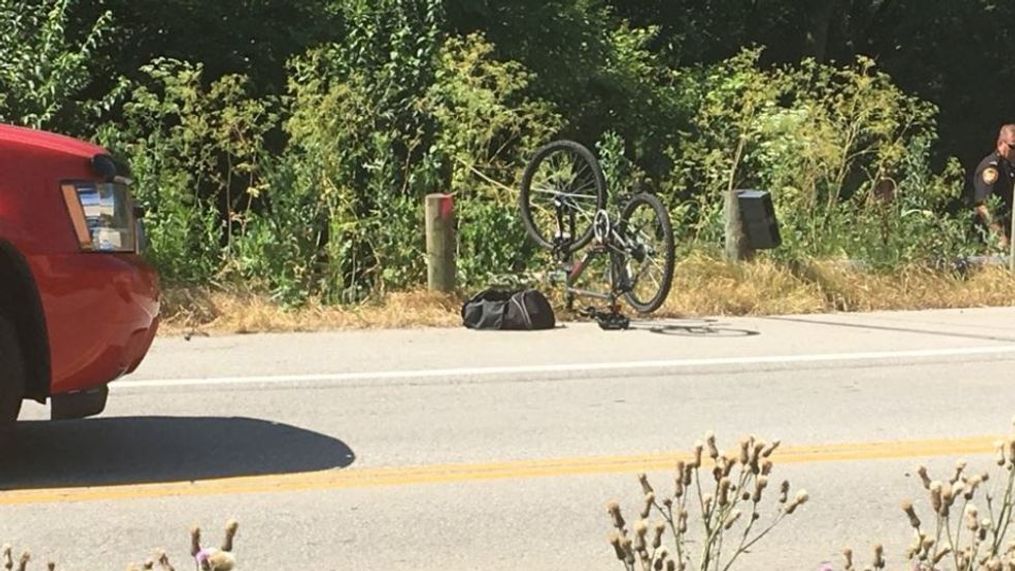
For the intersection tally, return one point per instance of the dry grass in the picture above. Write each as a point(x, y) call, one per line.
point(201, 310)
point(702, 287)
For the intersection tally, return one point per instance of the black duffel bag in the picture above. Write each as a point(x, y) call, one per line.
point(513, 310)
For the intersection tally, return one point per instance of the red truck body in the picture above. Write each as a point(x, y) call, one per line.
point(84, 317)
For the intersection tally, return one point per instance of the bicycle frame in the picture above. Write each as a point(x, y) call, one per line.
point(604, 245)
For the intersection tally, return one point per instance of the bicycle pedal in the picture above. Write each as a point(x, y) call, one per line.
point(614, 323)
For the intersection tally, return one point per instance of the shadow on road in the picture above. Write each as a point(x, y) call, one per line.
point(109, 451)
point(956, 334)
point(692, 328)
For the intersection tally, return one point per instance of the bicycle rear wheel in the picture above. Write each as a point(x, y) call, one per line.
point(648, 244)
point(563, 180)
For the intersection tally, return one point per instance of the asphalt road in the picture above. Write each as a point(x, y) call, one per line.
point(451, 449)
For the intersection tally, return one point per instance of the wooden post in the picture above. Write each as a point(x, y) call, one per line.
point(736, 247)
point(440, 243)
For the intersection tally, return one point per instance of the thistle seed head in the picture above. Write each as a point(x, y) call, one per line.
point(959, 467)
point(614, 510)
point(879, 556)
point(618, 548)
point(784, 492)
point(936, 501)
point(972, 518)
point(713, 450)
point(724, 492)
point(657, 535)
point(646, 509)
point(744, 446)
point(232, 526)
point(907, 506)
point(195, 541)
point(768, 450)
point(645, 486)
point(698, 448)
point(732, 519)
point(23, 562)
point(922, 471)
point(759, 488)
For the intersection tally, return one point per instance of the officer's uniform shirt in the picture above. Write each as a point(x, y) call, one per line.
point(995, 176)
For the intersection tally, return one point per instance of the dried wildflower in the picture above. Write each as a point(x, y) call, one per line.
point(163, 559)
point(640, 531)
point(744, 446)
point(628, 547)
point(668, 503)
point(713, 450)
point(759, 487)
point(907, 506)
point(800, 499)
point(698, 448)
point(661, 556)
point(944, 553)
point(879, 556)
point(784, 492)
point(766, 467)
point(682, 521)
point(768, 450)
point(732, 519)
point(724, 492)
point(646, 509)
point(999, 445)
point(727, 468)
point(8, 558)
point(657, 535)
point(960, 466)
point(645, 486)
point(848, 555)
point(936, 501)
point(195, 541)
point(148, 564)
point(972, 518)
point(922, 471)
point(232, 526)
point(618, 548)
point(688, 475)
point(614, 509)
point(745, 495)
point(23, 562)
point(221, 561)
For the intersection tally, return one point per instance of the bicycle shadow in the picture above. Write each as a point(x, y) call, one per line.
point(692, 328)
point(148, 450)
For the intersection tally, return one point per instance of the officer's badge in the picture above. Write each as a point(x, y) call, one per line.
point(990, 175)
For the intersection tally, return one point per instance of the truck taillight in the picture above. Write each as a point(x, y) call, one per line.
point(102, 214)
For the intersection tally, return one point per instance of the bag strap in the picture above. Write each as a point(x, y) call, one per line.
point(524, 310)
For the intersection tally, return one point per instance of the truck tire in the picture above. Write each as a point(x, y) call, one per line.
point(12, 374)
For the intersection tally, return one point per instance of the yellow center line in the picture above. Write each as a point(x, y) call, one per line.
point(443, 474)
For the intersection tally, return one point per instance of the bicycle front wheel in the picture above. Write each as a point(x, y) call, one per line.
point(648, 245)
point(562, 183)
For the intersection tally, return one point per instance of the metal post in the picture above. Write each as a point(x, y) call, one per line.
point(737, 249)
point(440, 243)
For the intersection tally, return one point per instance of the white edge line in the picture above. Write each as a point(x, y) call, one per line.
point(564, 368)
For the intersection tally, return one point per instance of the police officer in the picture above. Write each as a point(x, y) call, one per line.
point(995, 176)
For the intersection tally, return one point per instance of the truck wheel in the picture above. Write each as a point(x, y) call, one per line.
point(12, 375)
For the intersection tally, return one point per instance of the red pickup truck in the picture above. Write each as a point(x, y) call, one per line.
point(78, 305)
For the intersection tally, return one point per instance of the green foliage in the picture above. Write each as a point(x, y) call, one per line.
point(305, 173)
point(829, 143)
point(195, 152)
point(44, 68)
